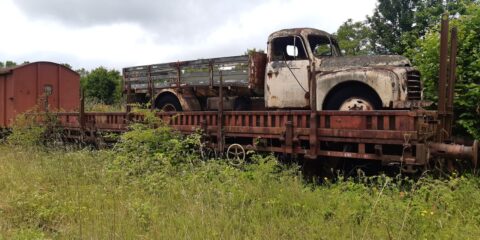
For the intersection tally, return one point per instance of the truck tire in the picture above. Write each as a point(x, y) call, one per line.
point(168, 103)
point(360, 98)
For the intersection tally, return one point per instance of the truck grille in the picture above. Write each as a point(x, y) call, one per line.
point(414, 86)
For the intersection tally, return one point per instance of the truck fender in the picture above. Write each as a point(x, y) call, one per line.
point(381, 81)
point(187, 99)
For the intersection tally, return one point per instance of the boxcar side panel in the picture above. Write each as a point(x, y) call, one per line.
point(3, 106)
point(69, 90)
point(10, 100)
point(24, 88)
point(48, 79)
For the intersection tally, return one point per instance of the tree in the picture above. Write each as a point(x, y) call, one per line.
point(7, 64)
point(428, 12)
point(397, 24)
point(67, 65)
point(353, 38)
point(467, 91)
point(102, 84)
point(253, 50)
point(391, 18)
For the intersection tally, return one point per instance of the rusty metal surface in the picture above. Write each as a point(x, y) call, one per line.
point(451, 83)
point(291, 130)
point(287, 83)
point(442, 81)
point(392, 78)
point(301, 132)
point(238, 71)
point(347, 62)
point(297, 31)
point(24, 87)
point(455, 151)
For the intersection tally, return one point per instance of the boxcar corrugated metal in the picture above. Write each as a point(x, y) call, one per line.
point(24, 87)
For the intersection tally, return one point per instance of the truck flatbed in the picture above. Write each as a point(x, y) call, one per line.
point(197, 73)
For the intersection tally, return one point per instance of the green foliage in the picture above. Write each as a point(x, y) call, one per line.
point(26, 131)
point(389, 21)
point(353, 38)
point(10, 64)
point(152, 185)
point(95, 105)
point(150, 151)
point(65, 195)
point(397, 25)
point(253, 50)
point(35, 129)
point(467, 92)
point(102, 84)
point(7, 64)
point(428, 12)
point(67, 65)
point(83, 73)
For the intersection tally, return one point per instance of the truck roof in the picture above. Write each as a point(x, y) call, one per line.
point(297, 31)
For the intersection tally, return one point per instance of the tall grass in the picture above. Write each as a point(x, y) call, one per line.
point(162, 191)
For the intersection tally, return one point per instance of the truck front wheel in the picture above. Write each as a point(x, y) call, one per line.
point(358, 98)
point(168, 103)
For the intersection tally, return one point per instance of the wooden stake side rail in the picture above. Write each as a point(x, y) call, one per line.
point(371, 135)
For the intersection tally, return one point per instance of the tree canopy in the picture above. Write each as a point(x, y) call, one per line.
point(390, 20)
point(7, 64)
point(101, 84)
point(353, 38)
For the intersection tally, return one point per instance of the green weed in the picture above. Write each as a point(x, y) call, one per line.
point(152, 185)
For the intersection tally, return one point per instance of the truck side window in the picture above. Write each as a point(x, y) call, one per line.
point(288, 48)
point(320, 45)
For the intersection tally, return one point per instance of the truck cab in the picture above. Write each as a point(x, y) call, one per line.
point(300, 59)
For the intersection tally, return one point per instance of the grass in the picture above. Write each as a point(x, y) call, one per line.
point(152, 186)
point(65, 195)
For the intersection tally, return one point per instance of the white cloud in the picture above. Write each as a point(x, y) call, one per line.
point(118, 43)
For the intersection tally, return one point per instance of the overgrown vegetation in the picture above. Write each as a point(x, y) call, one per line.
point(467, 91)
point(101, 84)
point(95, 105)
point(28, 133)
point(152, 185)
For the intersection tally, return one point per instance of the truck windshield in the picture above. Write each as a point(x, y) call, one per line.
point(321, 46)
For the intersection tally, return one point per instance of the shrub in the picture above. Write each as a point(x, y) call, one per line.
point(150, 151)
point(26, 131)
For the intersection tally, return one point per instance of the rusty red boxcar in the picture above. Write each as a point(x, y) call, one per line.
point(26, 86)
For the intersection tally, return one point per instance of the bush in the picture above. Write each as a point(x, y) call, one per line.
point(35, 129)
point(26, 131)
point(467, 90)
point(150, 151)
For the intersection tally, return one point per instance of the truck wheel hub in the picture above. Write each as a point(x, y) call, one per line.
point(169, 108)
point(356, 104)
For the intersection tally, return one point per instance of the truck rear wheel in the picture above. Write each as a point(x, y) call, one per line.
point(168, 103)
point(357, 98)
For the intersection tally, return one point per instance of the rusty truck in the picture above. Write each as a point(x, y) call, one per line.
point(296, 61)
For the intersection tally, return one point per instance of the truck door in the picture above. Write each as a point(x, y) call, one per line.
point(286, 77)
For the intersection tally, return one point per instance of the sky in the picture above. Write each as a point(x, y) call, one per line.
point(117, 34)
